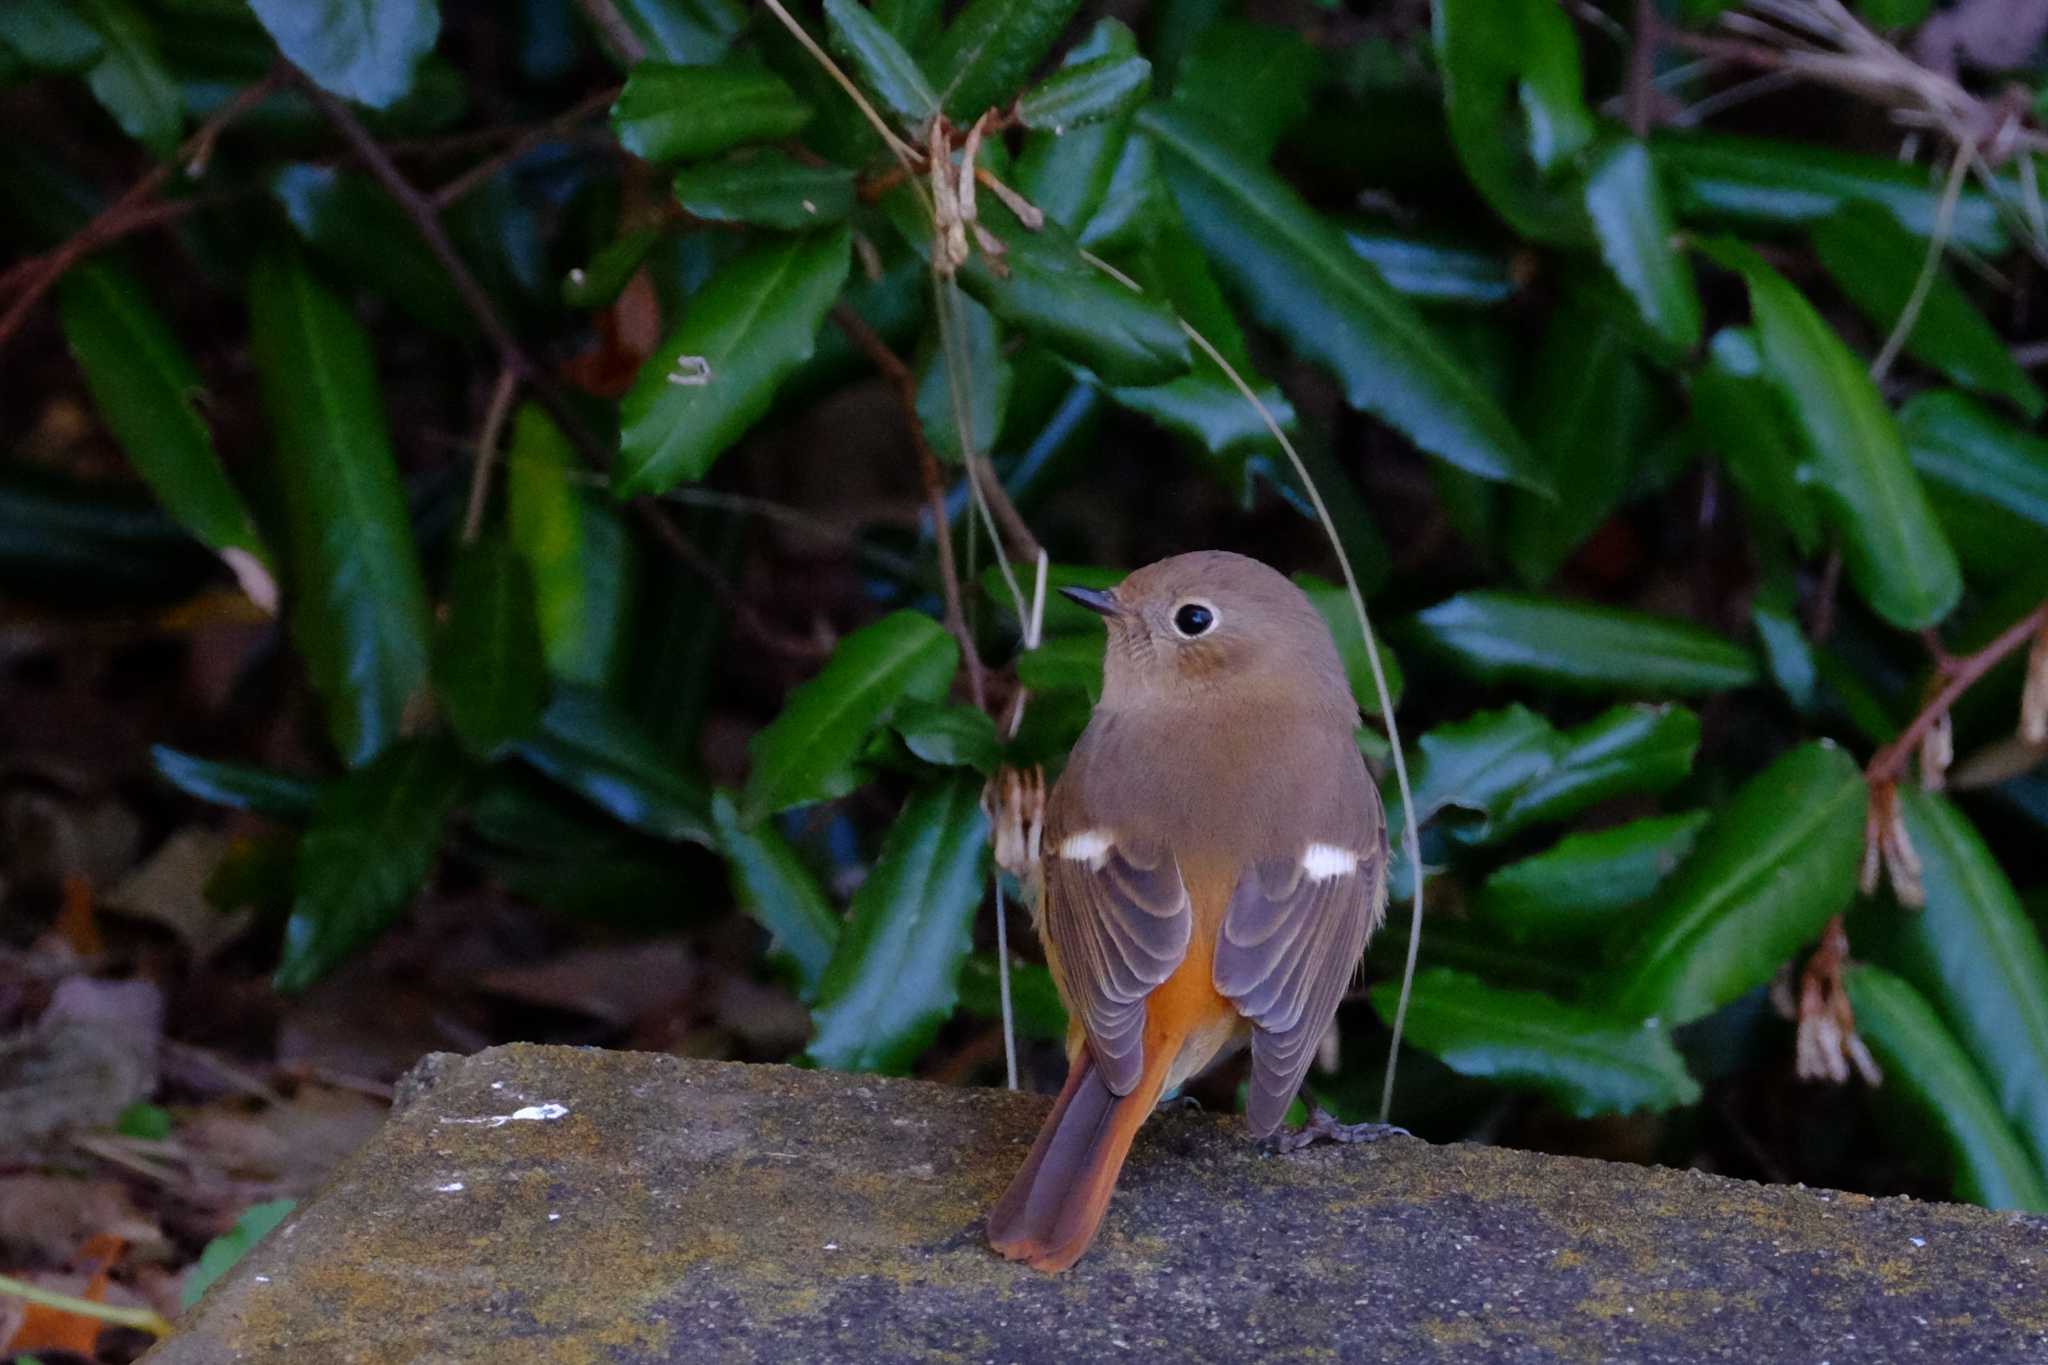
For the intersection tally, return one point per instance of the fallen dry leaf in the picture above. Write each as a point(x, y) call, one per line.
point(91, 1055)
point(170, 889)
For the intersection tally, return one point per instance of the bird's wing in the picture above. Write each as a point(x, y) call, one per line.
point(1118, 916)
point(1293, 933)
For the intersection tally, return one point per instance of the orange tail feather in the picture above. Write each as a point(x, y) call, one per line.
point(1054, 1206)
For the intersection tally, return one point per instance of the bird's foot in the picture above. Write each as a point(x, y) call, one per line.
point(1322, 1126)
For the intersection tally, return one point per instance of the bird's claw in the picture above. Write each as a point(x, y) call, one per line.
point(1323, 1127)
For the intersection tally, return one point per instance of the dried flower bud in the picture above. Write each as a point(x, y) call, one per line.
point(1937, 751)
point(2034, 692)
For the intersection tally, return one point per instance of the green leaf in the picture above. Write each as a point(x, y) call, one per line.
point(895, 977)
point(1957, 443)
point(1034, 1000)
point(1513, 93)
point(1973, 952)
point(360, 614)
point(806, 754)
point(1050, 292)
point(364, 50)
point(144, 385)
point(985, 380)
point(150, 1122)
point(1778, 861)
point(1922, 1058)
point(780, 892)
point(1068, 663)
point(368, 851)
point(1577, 888)
point(1298, 276)
point(1750, 422)
point(990, 47)
point(1766, 184)
point(1076, 96)
point(1589, 407)
point(686, 32)
point(1479, 762)
point(888, 71)
point(238, 786)
point(488, 662)
point(1067, 172)
point(1333, 603)
point(349, 221)
point(1639, 242)
point(1063, 615)
point(1893, 13)
point(1430, 270)
point(1586, 1062)
point(576, 548)
point(1250, 82)
point(715, 375)
point(1520, 637)
point(1787, 652)
point(598, 283)
point(48, 35)
point(1877, 263)
point(1892, 547)
point(952, 736)
point(599, 752)
point(680, 113)
point(220, 1254)
point(130, 79)
point(1632, 748)
point(767, 188)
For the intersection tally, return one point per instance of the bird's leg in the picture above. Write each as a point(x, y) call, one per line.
point(1322, 1126)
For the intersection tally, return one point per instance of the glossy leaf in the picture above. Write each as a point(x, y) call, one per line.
point(989, 49)
point(238, 786)
point(1922, 1058)
point(1877, 263)
point(1588, 406)
point(1034, 1000)
point(372, 842)
point(895, 976)
point(1892, 548)
point(1066, 663)
point(1777, 862)
point(952, 736)
point(806, 754)
point(680, 113)
point(686, 32)
point(1298, 276)
point(1765, 184)
point(1479, 762)
point(1576, 888)
point(1049, 292)
point(1517, 114)
point(1067, 172)
point(1632, 748)
point(767, 188)
point(1973, 953)
point(219, 1255)
point(1333, 604)
point(598, 283)
point(48, 35)
point(489, 667)
point(1076, 96)
point(1750, 423)
point(982, 385)
point(1586, 1062)
point(1431, 271)
point(359, 611)
point(131, 80)
point(1519, 637)
point(144, 385)
point(884, 68)
point(1638, 240)
point(576, 548)
point(597, 751)
point(349, 221)
point(782, 894)
point(364, 50)
point(746, 330)
point(1252, 82)
point(1958, 443)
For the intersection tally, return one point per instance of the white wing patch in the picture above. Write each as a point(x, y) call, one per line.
point(1090, 846)
point(1320, 862)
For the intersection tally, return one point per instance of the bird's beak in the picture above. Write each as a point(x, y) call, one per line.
point(1101, 603)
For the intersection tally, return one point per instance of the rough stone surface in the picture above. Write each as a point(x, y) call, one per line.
point(553, 1204)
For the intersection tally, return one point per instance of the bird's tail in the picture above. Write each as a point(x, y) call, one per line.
point(1052, 1209)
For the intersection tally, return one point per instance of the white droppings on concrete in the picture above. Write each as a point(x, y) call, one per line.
point(532, 1113)
point(1918, 1241)
point(452, 1187)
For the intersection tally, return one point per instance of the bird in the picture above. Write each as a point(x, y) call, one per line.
point(1213, 861)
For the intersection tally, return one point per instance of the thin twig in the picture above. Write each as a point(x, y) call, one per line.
point(1888, 764)
point(113, 220)
point(487, 452)
point(1022, 542)
point(1930, 264)
point(1642, 64)
point(460, 187)
point(903, 151)
point(625, 43)
point(905, 383)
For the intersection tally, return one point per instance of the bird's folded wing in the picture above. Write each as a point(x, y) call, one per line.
point(1292, 936)
point(1118, 916)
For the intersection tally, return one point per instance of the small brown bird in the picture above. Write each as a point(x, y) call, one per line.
point(1214, 859)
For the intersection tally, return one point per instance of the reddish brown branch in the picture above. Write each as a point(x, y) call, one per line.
point(905, 383)
point(460, 187)
point(132, 210)
point(1962, 673)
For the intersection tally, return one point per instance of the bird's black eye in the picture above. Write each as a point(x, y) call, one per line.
point(1193, 619)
